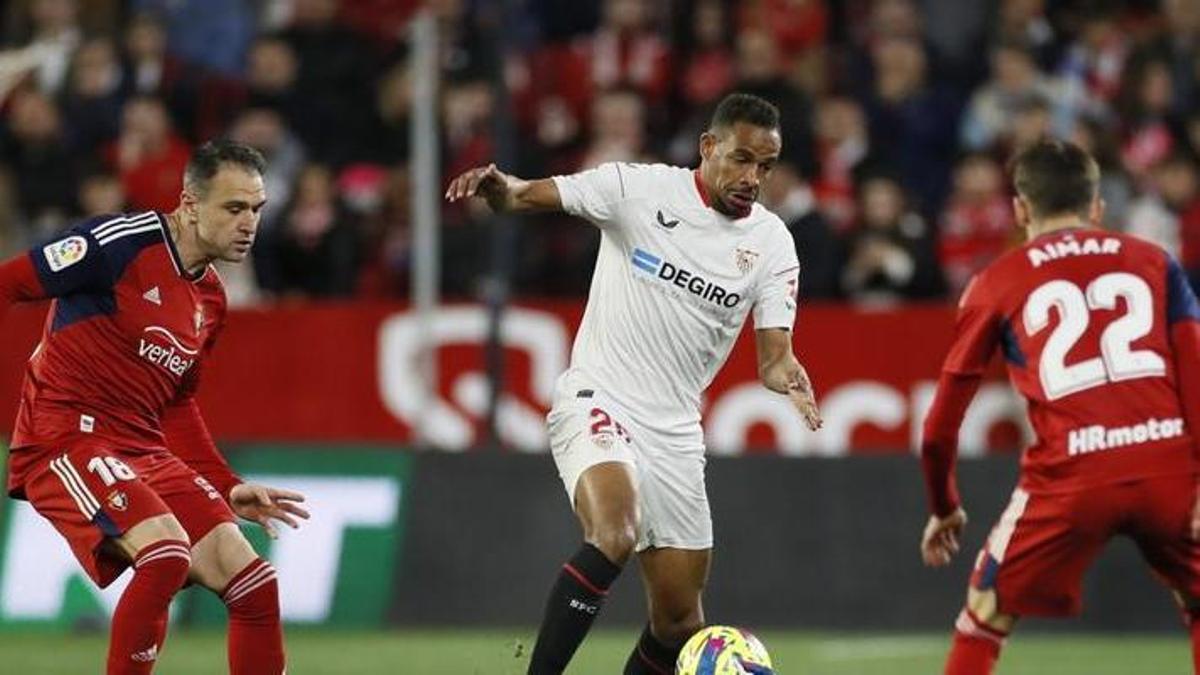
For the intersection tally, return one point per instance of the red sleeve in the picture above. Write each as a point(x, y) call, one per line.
point(188, 438)
point(1183, 317)
point(976, 332)
point(1185, 338)
point(939, 440)
point(19, 282)
point(976, 336)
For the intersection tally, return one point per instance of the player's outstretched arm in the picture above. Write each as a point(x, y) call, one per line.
point(505, 193)
point(781, 372)
point(939, 455)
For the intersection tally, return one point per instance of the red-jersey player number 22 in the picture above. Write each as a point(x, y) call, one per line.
point(1116, 361)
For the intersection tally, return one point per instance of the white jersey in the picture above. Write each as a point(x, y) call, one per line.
point(673, 283)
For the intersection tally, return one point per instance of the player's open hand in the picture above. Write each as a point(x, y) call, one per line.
point(800, 391)
point(263, 504)
point(940, 541)
point(485, 181)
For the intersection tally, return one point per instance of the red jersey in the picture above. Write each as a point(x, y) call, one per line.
point(120, 354)
point(1099, 332)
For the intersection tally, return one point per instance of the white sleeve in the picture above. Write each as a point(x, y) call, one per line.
point(592, 194)
point(775, 306)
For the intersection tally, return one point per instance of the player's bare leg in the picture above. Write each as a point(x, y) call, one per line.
point(979, 635)
point(224, 562)
point(674, 580)
point(158, 547)
point(606, 504)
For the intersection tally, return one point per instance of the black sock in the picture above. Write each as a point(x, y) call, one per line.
point(574, 602)
point(651, 657)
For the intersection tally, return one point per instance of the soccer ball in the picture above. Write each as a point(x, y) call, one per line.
point(723, 650)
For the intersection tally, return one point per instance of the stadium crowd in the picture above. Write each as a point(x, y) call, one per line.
point(899, 116)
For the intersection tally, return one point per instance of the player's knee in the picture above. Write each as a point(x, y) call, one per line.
point(616, 541)
point(982, 608)
point(165, 559)
point(675, 627)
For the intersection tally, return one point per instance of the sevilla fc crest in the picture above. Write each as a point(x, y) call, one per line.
point(745, 259)
point(118, 500)
point(199, 319)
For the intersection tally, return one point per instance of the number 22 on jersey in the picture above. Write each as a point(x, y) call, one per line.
point(1117, 361)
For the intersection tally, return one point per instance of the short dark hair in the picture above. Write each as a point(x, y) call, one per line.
point(1056, 178)
point(738, 107)
point(208, 158)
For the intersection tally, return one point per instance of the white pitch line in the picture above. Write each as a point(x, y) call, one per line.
point(877, 649)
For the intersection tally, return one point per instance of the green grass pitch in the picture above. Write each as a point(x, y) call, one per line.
point(494, 653)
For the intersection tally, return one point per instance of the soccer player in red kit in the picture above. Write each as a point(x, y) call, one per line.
point(1101, 334)
point(109, 445)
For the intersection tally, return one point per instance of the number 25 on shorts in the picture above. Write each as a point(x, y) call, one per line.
point(604, 428)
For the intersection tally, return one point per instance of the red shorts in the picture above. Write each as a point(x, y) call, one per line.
point(1037, 553)
point(91, 491)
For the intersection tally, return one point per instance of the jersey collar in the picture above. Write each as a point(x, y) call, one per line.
point(174, 253)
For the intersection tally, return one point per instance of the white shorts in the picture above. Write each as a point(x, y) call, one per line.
point(587, 428)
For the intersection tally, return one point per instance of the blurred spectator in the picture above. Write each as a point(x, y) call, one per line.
point(1147, 101)
point(1179, 46)
point(760, 72)
point(1015, 79)
point(151, 70)
point(1115, 188)
point(624, 51)
point(393, 110)
point(264, 130)
point(618, 130)
point(842, 144)
point(41, 166)
point(54, 32)
point(92, 103)
point(707, 70)
point(977, 224)
point(796, 25)
point(210, 34)
point(100, 193)
point(890, 256)
point(332, 74)
point(909, 120)
point(1025, 22)
point(387, 240)
point(466, 110)
point(316, 251)
point(817, 247)
point(1093, 64)
point(1169, 214)
point(149, 156)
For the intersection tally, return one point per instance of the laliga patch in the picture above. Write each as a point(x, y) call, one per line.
point(62, 254)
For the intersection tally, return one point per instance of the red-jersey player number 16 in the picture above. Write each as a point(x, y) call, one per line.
point(1116, 361)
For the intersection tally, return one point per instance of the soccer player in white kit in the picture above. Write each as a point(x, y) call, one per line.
point(685, 256)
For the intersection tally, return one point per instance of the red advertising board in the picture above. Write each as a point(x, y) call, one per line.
point(350, 372)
